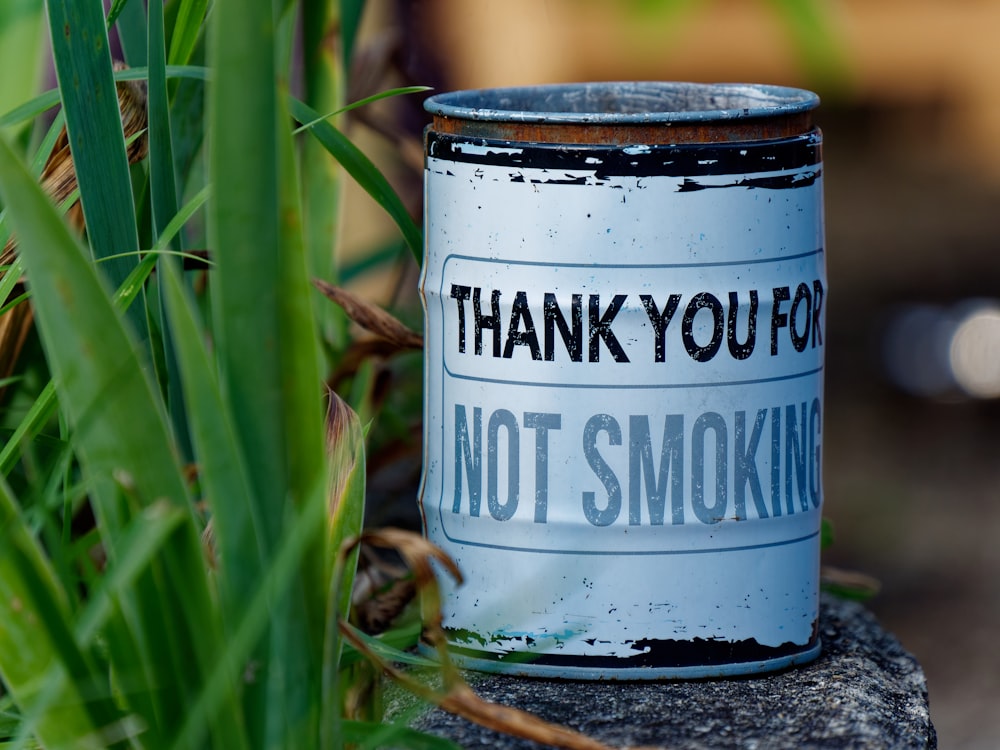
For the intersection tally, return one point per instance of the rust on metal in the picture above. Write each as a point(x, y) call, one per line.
point(756, 129)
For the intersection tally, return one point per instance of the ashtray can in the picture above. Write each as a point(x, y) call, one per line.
point(625, 291)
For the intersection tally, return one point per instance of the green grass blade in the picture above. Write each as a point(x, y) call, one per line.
point(38, 416)
point(163, 197)
point(392, 647)
point(364, 172)
point(119, 431)
point(89, 349)
point(350, 21)
point(90, 100)
point(387, 94)
point(223, 473)
point(48, 99)
point(304, 433)
point(245, 234)
point(142, 541)
point(117, 6)
point(45, 404)
point(41, 663)
point(131, 23)
point(187, 28)
point(299, 344)
point(21, 43)
point(30, 109)
point(281, 575)
point(322, 180)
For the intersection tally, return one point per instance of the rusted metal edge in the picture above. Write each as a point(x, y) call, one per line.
point(651, 113)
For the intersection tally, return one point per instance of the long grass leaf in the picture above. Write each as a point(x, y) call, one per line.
point(299, 344)
point(303, 424)
point(350, 21)
point(281, 574)
point(387, 94)
point(21, 45)
point(163, 197)
point(31, 108)
point(225, 479)
point(141, 543)
point(187, 28)
point(90, 351)
point(48, 99)
point(364, 172)
point(93, 121)
point(41, 663)
point(131, 24)
point(45, 404)
point(245, 236)
point(119, 429)
point(322, 179)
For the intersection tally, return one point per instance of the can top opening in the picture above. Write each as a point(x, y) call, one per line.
point(621, 103)
point(634, 112)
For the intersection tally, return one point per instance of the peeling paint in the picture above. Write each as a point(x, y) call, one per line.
point(623, 380)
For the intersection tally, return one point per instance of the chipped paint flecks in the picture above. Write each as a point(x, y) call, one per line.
point(624, 365)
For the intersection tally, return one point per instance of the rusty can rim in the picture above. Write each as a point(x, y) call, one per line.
point(623, 103)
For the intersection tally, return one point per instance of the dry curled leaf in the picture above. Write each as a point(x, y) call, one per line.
point(456, 696)
point(371, 317)
point(343, 438)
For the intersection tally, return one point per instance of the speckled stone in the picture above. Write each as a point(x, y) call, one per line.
point(864, 691)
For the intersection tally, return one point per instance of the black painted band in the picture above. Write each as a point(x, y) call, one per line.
point(684, 160)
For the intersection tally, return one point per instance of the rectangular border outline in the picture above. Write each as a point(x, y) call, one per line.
point(615, 386)
point(446, 373)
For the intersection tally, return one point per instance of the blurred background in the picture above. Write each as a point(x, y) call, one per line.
point(911, 120)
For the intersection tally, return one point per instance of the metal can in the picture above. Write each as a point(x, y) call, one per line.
point(624, 291)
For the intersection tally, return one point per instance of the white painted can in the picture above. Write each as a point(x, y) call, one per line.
point(624, 368)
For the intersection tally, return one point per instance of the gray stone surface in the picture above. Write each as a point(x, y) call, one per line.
point(865, 691)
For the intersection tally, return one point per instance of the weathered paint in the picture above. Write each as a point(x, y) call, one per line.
point(625, 297)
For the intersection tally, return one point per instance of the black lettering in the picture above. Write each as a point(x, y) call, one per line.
point(515, 336)
point(744, 350)
point(600, 328)
point(595, 425)
point(660, 322)
point(802, 295)
point(483, 322)
point(461, 293)
point(573, 339)
point(703, 300)
point(817, 336)
point(778, 318)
